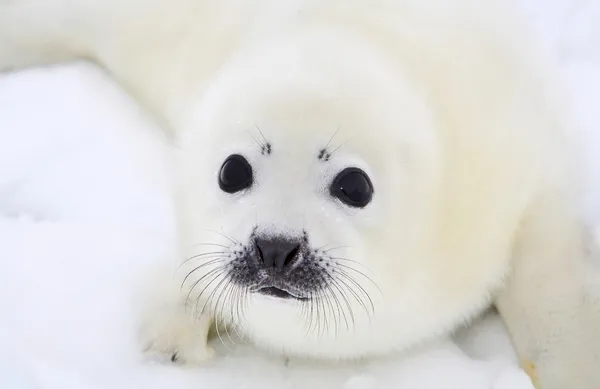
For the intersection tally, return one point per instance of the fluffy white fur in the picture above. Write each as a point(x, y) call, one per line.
point(450, 108)
point(122, 220)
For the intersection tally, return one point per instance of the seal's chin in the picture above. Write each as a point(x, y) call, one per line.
point(280, 293)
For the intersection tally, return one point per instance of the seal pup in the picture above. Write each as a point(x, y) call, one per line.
point(448, 185)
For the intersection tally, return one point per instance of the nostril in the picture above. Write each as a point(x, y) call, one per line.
point(261, 256)
point(289, 259)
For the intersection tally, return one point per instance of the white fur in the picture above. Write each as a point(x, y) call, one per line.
point(450, 108)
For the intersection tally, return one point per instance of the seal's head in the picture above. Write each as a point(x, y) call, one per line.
point(312, 184)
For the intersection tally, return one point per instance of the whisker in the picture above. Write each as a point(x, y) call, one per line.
point(331, 139)
point(217, 254)
point(217, 310)
point(310, 311)
point(208, 244)
point(210, 296)
point(210, 273)
point(327, 297)
point(259, 149)
point(340, 146)
point(321, 248)
point(353, 281)
point(213, 279)
point(231, 297)
point(306, 313)
point(350, 261)
point(221, 294)
point(317, 321)
point(211, 262)
point(313, 313)
point(325, 321)
point(354, 294)
point(241, 310)
point(335, 285)
point(224, 236)
point(336, 248)
point(221, 338)
point(237, 297)
point(261, 134)
point(219, 307)
point(362, 274)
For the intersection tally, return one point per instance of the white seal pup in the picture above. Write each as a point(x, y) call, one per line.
point(356, 176)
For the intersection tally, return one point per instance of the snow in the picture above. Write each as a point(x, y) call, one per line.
point(78, 230)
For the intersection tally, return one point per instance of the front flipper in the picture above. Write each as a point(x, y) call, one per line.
point(175, 335)
point(547, 305)
point(169, 330)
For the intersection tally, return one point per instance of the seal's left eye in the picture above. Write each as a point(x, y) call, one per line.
point(235, 174)
point(353, 187)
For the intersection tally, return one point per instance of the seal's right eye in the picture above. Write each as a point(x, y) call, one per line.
point(235, 174)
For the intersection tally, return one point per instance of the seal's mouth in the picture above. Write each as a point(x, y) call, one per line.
point(276, 292)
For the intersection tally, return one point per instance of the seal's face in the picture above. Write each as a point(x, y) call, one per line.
point(277, 253)
point(310, 201)
point(278, 258)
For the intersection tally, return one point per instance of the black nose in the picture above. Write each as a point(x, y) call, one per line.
point(277, 253)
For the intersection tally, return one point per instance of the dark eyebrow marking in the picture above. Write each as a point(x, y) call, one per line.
point(265, 147)
point(324, 153)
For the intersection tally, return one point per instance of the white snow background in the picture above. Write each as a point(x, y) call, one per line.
point(84, 213)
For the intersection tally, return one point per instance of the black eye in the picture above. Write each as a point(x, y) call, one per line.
point(235, 174)
point(353, 187)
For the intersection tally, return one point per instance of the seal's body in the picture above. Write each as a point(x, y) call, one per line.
point(356, 177)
